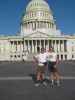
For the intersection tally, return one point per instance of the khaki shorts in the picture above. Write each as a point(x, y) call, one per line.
point(40, 68)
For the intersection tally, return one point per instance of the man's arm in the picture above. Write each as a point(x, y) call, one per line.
point(35, 59)
point(57, 61)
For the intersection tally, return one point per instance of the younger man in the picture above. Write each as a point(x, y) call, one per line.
point(52, 68)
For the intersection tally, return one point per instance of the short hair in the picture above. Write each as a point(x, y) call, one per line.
point(51, 48)
point(42, 49)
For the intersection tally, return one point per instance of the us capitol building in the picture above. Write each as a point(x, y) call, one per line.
point(37, 29)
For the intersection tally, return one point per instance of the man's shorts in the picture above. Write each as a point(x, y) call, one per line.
point(51, 67)
point(41, 67)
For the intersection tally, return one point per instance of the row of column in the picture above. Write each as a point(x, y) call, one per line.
point(34, 45)
point(37, 24)
point(16, 46)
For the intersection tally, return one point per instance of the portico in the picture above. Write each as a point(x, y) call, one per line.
point(34, 44)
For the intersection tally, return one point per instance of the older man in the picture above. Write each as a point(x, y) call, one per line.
point(41, 60)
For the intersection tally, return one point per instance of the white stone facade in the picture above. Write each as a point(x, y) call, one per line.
point(38, 29)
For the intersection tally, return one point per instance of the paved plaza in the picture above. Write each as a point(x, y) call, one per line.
point(16, 82)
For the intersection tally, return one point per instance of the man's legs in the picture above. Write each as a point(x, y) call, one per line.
point(38, 79)
point(57, 76)
point(39, 75)
point(51, 73)
point(52, 78)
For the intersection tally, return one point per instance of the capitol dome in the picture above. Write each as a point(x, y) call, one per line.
point(38, 10)
point(37, 5)
point(38, 17)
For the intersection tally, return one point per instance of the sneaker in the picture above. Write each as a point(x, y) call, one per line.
point(58, 84)
point(37, 84)
point(44, 83)
point(51, 85)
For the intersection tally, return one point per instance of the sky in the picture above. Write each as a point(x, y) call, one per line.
point(11, 12)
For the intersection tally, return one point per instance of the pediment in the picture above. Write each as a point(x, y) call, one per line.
point(38, 35)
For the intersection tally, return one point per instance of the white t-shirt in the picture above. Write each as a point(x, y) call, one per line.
point(42, 57)
point(52, 56)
